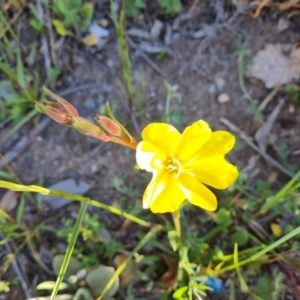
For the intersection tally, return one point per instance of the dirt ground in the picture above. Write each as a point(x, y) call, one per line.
point(202, 68)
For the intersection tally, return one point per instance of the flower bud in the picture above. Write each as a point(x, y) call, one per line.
point(110, 126)
point(86, 127)
point(55, 112)
point(65, 105)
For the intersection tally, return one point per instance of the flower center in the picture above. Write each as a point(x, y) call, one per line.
point(173, 165)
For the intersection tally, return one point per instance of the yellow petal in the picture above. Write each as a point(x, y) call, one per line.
point(197, 193)
point(149, 157)
point(192, 139)
point(220, 143)
point(215, 172)
point(163, 194)
point(163, 136)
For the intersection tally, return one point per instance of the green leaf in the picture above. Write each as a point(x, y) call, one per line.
point(38, 26)
point(173, 239)
point(223, 216)
point(49, 285)
point(241, 237)
point(73, 267)
point(83, 294)
point(133, 7)
point(60, 7)
point(87, 13)
point(171, 7)
point(20, 71)
point(60, 28)
point(98, 278)
point(180, 292)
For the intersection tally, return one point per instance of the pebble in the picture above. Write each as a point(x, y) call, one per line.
point(156, 29)
point(90, 104)
point(160, 107)
point(212, 89)
point(220, 83)
point(223, 98)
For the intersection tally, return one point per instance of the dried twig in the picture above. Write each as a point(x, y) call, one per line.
point(45, 47)
point(153, 65)
point(269, 98)
point(250, 142)
point(17, 270)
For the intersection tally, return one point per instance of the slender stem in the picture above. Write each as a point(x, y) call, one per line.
point(45, 191)
point(121, 268)
point(69, 251)
point(267, 249)
point(177, 225)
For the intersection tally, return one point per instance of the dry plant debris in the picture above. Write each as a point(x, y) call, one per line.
point(274, 67)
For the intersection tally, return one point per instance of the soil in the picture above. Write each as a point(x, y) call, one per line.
point(198, 67)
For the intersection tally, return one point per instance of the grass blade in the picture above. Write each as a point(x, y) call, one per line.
point(69, 251)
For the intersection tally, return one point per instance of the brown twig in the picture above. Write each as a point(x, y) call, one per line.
point(153, 65)
point(249, 141)
point(269, 98)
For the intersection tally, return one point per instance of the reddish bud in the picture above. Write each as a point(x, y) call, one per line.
point(55, 112)
point(86, 127)
point(65, 105)
point(110, 126)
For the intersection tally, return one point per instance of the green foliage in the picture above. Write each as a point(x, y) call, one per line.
point(96, 239)
point(175, 116)
point(133, 7)
point(4, 286)
point(270, 287)
point(171, 7)
point(71, 14)
point(293, 92)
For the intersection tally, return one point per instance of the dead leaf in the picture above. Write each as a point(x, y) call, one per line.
point(91, 39)
point(130, 272)
point(275, 68)
point(170, 276)
point(9, 201)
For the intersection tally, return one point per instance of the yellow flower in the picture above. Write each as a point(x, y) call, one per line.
point(182, 164)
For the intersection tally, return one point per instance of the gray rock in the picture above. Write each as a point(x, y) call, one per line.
point(69, 186)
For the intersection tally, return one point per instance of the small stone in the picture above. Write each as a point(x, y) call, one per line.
point(223, 98)
point(282, 24)
point(220, 83)
point(90, 104)
point(94, 169)
point(99, 31)
point(153, 94)
point(212, 89)
point(156, 29)
point(135, 32)
point(103, 22)
point(291, 109)
point(160, 107)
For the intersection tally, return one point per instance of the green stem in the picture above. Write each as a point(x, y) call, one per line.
point(70, 248)
point(288, 188)
point(45, 191)
point(177, 225)
point(267, 249)
point(121, 268)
